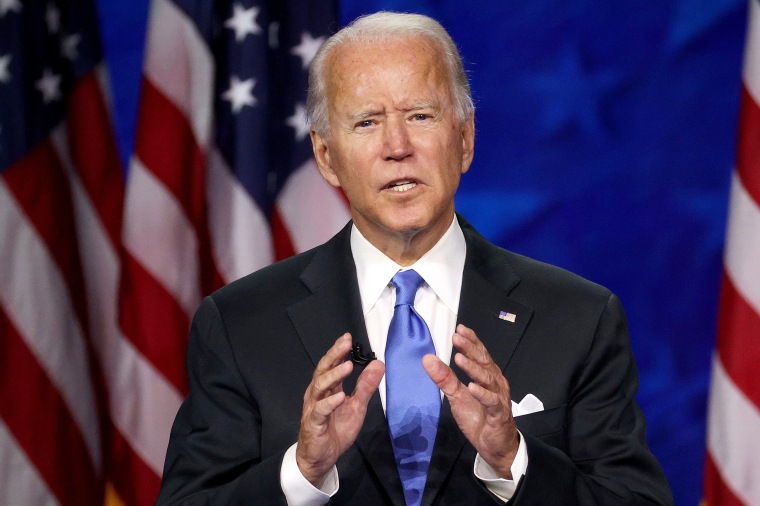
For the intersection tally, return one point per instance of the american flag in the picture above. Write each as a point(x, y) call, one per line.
point(221, 182)
point(733, 442)
point(94, 315)
point(61, 194)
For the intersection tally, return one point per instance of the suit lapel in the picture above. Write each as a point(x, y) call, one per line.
point(334, 307)
point(485, 305)
point(486, 283)
point(480, 307)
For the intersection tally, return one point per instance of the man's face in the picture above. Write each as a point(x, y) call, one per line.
point(395, 144)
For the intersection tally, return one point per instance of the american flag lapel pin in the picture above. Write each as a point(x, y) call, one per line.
point(510, 317)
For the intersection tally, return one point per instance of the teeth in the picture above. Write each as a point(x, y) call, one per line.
point(402, 186)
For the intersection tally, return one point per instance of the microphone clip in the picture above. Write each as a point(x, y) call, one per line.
point(358, 358)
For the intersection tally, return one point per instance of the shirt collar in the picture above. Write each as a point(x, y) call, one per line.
point(441, 267)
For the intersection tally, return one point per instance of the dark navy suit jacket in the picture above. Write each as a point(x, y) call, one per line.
point(255, 343)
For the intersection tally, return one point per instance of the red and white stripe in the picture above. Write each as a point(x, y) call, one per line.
point(310, 209)
point(189, 227)
point(733, 445)
point(60, 214)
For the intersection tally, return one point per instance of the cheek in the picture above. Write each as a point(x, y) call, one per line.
point(448, 155)
point(349, 172)
point(361, 158)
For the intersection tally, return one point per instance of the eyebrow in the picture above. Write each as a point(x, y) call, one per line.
point(423, 105)
point(366, 113)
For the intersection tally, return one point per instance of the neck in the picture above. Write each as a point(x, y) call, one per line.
point(407, 247)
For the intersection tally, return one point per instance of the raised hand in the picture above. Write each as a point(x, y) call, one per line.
point(331, 420)
point(482, 409)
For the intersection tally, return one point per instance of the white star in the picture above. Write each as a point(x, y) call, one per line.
point(5, 74)
point(243, 21)
point(69, 46)
point(240, 93)
point(298, 122)
point(9, 5)
point(50, 86)
point(307, 49)
point(53, 18)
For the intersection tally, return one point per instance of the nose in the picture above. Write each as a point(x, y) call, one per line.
point(397, 144)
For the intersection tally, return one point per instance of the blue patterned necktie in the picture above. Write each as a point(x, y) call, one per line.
point(413, 401)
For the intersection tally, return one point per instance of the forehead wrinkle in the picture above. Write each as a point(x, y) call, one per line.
point(349, 75)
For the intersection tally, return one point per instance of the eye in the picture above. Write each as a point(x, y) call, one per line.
point(420, 116)
point(364, 123)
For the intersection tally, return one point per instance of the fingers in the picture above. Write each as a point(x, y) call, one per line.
point(468, 343)
point(482, 409)
point(328, 382)
point(489, 386)
point(490, 400)
point(325, 393)
point(368, 381)
point(474, 359)
point(331, 370)
point(331, 420)
point(335, 355)
point(327, 406)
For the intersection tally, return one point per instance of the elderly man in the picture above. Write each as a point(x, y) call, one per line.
point(462, 330)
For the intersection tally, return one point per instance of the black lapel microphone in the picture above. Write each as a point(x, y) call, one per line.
point(358, 358)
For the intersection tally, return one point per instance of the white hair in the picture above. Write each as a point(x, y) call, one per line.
point(378, 28)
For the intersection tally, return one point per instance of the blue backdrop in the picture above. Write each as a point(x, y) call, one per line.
point(605, 143)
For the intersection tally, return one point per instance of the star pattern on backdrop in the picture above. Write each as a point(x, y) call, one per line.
point(307, 49)
point(693, 19)
point(243, 21)
point(53, 18)
point(571, 94)
point(240, 93)
point(50, 86)
point(262, 56)
point(298, 122)
point(39, 50)
point(7, 6)
point(5, 73)
point(69, 46)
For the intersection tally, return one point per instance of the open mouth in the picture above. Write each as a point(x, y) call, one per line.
point(402, 186)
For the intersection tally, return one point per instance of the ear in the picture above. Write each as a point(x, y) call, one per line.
point(322, 155)
point(468, 142)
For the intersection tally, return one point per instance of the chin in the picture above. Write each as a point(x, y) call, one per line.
point(410, 224)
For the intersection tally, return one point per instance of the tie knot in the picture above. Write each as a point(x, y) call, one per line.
point(407, 283)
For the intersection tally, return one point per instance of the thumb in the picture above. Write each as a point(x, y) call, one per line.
point(441, 374)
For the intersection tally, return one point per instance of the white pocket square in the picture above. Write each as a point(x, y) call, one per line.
point(529, 404)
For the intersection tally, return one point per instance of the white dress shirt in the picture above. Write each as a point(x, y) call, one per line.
point(437, 301)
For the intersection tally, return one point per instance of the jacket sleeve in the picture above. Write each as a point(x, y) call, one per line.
point(606, 461)
point(214, 454)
